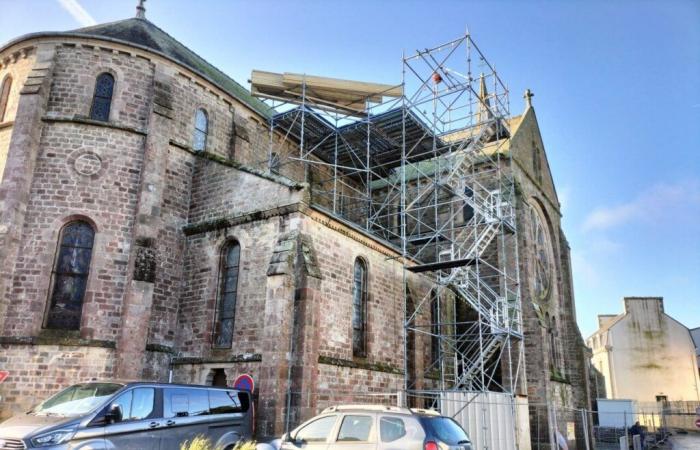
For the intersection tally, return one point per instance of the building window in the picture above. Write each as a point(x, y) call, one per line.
point(359, 309)
point(201, 130)
point(70, 276)
point(275, 163)
point(4, 96)
point(468, 211)
point(228, 291)
point(434, 330)
point(102, 101)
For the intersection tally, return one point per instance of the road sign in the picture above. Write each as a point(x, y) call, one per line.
point(3, 375)
point(245, 383)
point(697, 422)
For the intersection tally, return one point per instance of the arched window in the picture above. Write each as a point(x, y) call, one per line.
point(228, 292)
point(102, 100)
point(70, 275)
point(4, 96)
point(201, 130)
point(275, 163)
point(359, 308)
point(434, 330)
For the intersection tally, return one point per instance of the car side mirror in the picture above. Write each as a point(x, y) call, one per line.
point(114, 413)
point(285, 437)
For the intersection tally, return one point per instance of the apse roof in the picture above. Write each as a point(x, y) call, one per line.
point(143, 33)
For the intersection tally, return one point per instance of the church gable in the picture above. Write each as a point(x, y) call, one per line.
point(529, 154)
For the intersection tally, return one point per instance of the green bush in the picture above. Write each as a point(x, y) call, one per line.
point(202, 443)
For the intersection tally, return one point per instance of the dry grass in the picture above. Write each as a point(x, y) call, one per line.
point(202, 443)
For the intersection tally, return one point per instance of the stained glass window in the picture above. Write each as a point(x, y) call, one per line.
point(70, 276)
point(201, 129)
point(4, 96)
point(542, 269)
point(434, 329)
point(359, 309)
point(102, 101)
point(227, 295)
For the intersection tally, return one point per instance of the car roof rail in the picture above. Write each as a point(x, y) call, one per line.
point(427, 412)
point(366, 407)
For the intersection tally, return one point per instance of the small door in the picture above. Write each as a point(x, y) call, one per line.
point(313, 436)
point(356, 432)
point(139, 427)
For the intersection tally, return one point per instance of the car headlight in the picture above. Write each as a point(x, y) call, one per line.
point(53, 438)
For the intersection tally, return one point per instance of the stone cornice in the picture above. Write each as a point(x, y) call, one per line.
point(7, 124)
point(359, 364)
point(85, 121)
point(233, 220)
point(68, 341)
point(246, 357)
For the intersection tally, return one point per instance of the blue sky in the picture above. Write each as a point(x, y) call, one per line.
point(617, 95)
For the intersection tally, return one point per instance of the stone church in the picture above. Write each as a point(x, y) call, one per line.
point(144, 234)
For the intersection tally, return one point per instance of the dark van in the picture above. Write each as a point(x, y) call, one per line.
point(131, 416)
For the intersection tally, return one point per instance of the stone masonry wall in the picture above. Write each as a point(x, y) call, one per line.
point(38, 371)
point(16, 63)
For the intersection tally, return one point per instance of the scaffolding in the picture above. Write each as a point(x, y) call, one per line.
point(425, 168)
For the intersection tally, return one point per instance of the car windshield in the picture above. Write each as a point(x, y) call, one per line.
point(448, 431)
point(77, 399)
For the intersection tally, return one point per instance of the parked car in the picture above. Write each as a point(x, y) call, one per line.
point(365, 427)
point(131, 416)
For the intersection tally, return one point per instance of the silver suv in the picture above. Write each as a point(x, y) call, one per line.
point(365, 427)
point(131, 416)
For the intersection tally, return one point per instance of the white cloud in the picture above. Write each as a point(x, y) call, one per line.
point(661, 199)
point(78, 13)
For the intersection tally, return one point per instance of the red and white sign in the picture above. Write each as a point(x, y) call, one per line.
point(244, 383)
point(3, 375)
point(697, 422)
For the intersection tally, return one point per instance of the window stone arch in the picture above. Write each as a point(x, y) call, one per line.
point(102, 96)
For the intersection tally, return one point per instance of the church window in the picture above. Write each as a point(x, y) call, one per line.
point(70, 276)
point(542, 261)
point(434, 329)
point(201, 130)
point(275, 163)
point(102, 100)
point(228, 293)
point(4, 96)
point(468, 210)
point(359, 309)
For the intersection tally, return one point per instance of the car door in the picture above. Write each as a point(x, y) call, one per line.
point(356, 432)
point(185, 415)
point(139, 427)
point(314, 435)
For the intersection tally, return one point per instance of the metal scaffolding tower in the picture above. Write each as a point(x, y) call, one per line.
point(427, 172)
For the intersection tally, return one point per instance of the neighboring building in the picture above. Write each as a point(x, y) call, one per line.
point(695, 333)
point(143, 232)
point(645, 355)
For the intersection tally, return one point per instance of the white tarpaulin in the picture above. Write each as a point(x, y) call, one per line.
point(487, 417)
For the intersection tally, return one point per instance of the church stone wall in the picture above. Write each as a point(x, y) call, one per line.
point(60, 193)
point(73, 83)
point(16, 63)
point(39, 371)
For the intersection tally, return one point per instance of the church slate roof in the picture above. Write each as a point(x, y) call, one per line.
point(143, 33)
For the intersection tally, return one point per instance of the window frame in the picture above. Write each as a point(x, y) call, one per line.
point(370, 433)
point(109, 99)
point(361, 350)
point(332, 432)
point(197, 130)
point(221, 292)
point(5, 90)
point(55, 275)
